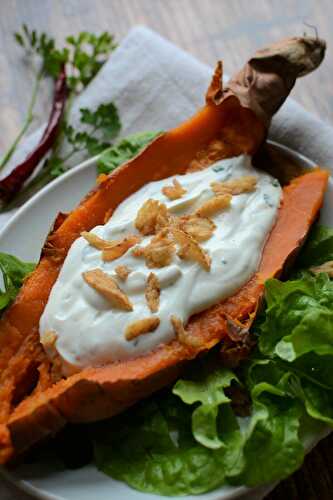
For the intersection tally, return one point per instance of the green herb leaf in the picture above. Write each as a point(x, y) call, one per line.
point(56, 166)
point(43, 46)
point(125, 150)
point(88, 52)
point(101, 125)
point(19, 39)
point(105, 119)
point(84, 55)
point(292, 398)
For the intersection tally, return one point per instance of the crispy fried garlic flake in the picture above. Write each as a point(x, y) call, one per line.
point(141, 327)
point(107, 286)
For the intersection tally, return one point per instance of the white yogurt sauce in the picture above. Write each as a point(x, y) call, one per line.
point(90, 332)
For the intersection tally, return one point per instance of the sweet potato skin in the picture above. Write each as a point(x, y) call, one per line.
point(98, 393)
point(235, 130)
point(238, 131)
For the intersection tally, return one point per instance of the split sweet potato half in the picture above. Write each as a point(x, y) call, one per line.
point(234, 121)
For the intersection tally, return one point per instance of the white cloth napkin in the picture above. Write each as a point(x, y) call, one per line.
point(155, 86)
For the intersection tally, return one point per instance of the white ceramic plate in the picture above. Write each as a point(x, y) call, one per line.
point(24, 236)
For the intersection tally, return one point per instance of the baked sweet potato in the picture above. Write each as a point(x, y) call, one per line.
point(233, 121)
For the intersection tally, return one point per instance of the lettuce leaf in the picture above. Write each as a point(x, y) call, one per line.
point(191, 440)
point(272, 448)
point(13, 273)
point(272, 445)
point(302, 309)
point(208, 390)
point(297, 335)
point(152, 449)
point(318, 248)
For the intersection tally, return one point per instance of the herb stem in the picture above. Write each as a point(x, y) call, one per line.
point(27, 122)
point(71, 153)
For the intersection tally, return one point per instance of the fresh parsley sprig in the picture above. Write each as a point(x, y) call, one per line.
point(43, 46)
point(101, 127)
point(87, 54)
point(82, 56)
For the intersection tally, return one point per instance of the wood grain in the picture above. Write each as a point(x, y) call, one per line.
point(209, 29)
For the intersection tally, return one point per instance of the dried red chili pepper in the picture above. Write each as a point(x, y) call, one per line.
point(14, 181)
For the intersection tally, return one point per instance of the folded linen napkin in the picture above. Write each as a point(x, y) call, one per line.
point(155, 86)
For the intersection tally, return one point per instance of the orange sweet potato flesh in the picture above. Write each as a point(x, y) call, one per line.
point(97, 393)
point(32, 404)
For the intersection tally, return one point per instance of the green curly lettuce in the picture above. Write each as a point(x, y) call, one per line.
point(14, 271)
point(189, 440)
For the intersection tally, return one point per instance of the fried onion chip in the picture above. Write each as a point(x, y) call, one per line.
point(152, 292)
point(159, 252)
point(181, 333)
point(118, 248)
point(96, 241)
point(151, 216)
point(190, 249)
point(214, 205)
point(200, 228)
point(122, 272)
point(245, 184)
point(141, 327)
point(174, 192)
point(107, 286)
point(49, 339)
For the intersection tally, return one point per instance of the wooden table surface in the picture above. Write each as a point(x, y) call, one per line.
point(208, 29)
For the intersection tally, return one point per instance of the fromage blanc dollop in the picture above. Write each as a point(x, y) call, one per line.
point(89, 331)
